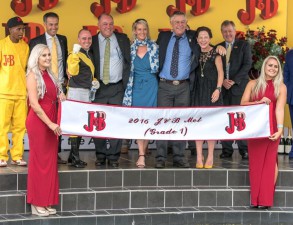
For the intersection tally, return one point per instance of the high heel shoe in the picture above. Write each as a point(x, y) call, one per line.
point(140, 165)
point(39, 211)
point(208, 166)
point(51, 210)
point(199, 165)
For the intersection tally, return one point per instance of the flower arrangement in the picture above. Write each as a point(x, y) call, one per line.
point(264, 44)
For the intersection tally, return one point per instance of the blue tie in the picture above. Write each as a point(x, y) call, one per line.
point(175, 57)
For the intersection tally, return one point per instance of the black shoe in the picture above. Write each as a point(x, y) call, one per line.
point(245, 155)
point(160, 164)
point(225, 155)
point(61, 161)
point(77, 164)
point(253, 206)
point(181, 164)
point(113, 163)
point(193, 151)
point(100, 162)
point(81, 162)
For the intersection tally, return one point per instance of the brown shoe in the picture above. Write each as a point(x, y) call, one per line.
point(124, 150)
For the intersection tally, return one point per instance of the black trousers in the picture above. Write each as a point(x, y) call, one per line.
point(109, 94)
point(230, 99)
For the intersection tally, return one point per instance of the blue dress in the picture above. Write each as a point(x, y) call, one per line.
point(145, 84)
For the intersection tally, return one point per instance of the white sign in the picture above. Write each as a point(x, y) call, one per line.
point(205, 123)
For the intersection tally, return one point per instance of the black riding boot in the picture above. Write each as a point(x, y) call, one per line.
point(74, 153)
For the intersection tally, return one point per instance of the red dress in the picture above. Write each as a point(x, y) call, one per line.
point(43, 181)
point(263, 159)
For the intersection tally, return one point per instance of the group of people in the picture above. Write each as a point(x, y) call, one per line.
point(182, 68)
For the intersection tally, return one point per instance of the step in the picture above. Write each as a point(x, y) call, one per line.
point(16, 181)
point(146, 197)
point(160, 216)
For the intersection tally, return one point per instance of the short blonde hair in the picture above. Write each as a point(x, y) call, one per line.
point(140, 21)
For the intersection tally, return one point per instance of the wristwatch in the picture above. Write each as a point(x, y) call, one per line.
point(219, 88)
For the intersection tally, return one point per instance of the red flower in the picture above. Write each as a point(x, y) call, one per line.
point(264, 44)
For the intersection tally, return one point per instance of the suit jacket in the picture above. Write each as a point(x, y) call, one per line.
point(124, 45)
point(288, 76)
point(63, 44)
point(163, 41)
point(240, 64)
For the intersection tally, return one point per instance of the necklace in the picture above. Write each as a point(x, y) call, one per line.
point(202, 68)
point(203, 59)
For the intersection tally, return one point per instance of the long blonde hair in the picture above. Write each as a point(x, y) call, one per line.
point(261, 83)
point(33, 67)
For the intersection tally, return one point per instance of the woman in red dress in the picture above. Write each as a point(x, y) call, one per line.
point(43, 131)
point(263, 168)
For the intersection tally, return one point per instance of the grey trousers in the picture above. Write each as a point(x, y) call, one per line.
point(170, 95)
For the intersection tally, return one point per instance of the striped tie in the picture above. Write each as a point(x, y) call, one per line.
point(54, 57)
point(106, 67)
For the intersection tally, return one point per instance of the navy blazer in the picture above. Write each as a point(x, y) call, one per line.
point(288, 76)
point(124, 45)
point(163, 41)
point(240, 64)
point(63, 44)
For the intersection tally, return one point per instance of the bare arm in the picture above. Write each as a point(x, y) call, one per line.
point(246, 97)
point(280, 106)
point(34, 103)
point(219, 65)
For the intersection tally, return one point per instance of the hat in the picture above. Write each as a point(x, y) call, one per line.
point(15, 21)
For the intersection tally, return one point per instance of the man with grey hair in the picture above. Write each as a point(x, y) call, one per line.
point(178, 58)
point(236, 64)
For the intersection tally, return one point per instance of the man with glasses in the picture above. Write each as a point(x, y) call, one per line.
point(178, 58)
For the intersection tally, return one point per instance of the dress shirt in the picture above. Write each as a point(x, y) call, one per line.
point(184, 63)
point(116, 58)
point(59, 55)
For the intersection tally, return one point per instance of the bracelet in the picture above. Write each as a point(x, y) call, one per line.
point(280, 126)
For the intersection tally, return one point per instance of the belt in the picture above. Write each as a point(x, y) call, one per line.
point(174, 82)
point(120, 81)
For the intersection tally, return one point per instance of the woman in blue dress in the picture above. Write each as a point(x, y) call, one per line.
point(142, 86)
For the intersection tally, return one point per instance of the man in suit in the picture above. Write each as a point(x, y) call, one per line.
point(178, 58)
point(111, 51)
point(236, 64)
point(51, 38)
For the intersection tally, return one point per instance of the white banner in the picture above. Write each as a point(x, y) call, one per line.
point(205, 123)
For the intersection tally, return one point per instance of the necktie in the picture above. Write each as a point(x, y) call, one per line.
point(229, 48)
point(175, 57)
point(106, 67)
point(54, 56)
